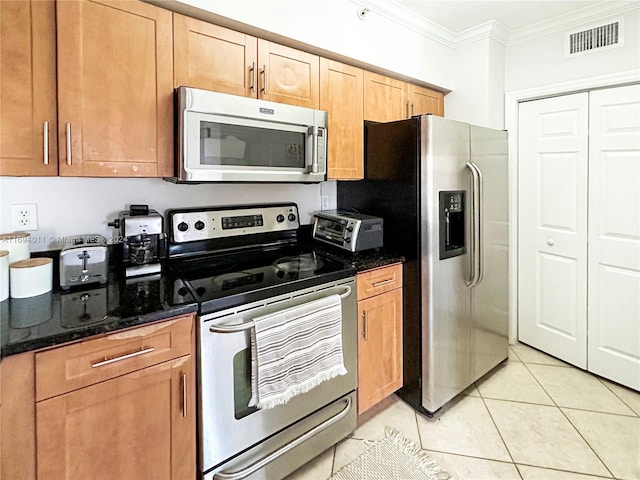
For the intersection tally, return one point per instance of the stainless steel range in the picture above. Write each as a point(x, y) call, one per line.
point(241, 263)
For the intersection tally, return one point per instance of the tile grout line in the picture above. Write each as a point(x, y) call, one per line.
point(333, 460)
point(617, 396)
point(570, 422)
point(498, 430)
point(561, 471)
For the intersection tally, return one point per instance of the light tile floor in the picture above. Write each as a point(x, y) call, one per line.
point(533, 418)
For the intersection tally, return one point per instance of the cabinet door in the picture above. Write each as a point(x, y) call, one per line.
point(214, 58)
point(341, 95)
point(115, 89)
point(384, 98)
point(379, 347)
point(140, 425)
point(28, 88)
point(424, 100)
point(287, 75)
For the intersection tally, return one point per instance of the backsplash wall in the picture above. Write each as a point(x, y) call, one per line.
point(72, 206)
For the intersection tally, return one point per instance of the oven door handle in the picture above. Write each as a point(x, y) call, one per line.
point(239, 474)
point(241, 327)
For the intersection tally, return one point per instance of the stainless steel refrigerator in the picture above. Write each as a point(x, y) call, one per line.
point(442, 188)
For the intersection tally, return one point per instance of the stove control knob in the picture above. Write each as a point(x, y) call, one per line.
point(280, 218)
point(347, 240)
point(183, 227)
point(199, 225)
point(349, 228)
point(291, 217)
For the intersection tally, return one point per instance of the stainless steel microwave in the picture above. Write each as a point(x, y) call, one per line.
point(227, 138)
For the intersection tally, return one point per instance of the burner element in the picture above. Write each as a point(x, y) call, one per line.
point(302, 263)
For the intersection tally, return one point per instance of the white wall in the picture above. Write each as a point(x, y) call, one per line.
point(478, 97)
point(73, 206)
point(541, 61)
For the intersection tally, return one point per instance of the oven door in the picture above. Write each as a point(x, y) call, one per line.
point(228, 426)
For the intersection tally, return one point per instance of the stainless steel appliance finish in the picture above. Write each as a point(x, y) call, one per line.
point(449, 218)
point(229, 426)
point(227, 138)
point(350, 231)
point(142, 234)
point(239, 263)
point(84, 259)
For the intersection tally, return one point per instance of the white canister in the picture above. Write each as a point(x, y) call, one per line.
point(31, 277)
point(17, 244)
point(4, 275)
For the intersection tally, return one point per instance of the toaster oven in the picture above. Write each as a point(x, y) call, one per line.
point(348, 230)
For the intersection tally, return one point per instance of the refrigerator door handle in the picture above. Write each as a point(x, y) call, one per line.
point(476, 234)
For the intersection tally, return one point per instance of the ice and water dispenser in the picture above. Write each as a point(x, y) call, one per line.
point(452, 224)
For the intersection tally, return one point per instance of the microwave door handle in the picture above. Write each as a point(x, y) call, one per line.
point(313, 131)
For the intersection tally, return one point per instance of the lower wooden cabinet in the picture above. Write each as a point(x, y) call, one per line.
point(137, 422)
point(139, 425)
point(379, 336)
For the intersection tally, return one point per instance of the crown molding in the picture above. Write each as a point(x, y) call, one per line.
point(570, 21)
point(407, 18)
point(491, 29)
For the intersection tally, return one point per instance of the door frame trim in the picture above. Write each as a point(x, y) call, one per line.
point(512, 99)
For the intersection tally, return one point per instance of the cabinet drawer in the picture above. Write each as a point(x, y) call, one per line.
point(74, 366)
point(380, 280)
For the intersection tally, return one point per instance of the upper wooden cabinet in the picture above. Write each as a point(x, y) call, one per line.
point(384, 98)
point(223, 60)
point(214, 58)
point(28, 143)
point(341, 95)
point(115, 89)
point(423, 100)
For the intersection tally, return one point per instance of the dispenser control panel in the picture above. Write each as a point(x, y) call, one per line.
point(452, 224)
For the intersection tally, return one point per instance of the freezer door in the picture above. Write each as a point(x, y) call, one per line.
point(490, 297)
point(446, 312)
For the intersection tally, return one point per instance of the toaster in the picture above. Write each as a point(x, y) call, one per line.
point(84, 259)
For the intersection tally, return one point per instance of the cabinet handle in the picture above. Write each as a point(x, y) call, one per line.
point(408, 112)
point(412, 109)
point(383, 282)
point(252, 70)
point(68, 135)
point(264, 78)
point(184, 394)
point(107, 361)
point(45, 138)
point(365, 325)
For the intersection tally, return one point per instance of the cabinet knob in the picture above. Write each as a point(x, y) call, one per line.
point(551, 242)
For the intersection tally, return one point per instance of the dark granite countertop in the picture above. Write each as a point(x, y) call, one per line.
point(366, 260)
point(62, 316)
point(59, 317)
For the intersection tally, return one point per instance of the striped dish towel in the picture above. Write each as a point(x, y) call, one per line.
point(294, 350)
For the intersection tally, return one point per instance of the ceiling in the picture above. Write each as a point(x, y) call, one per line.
point(459, 15)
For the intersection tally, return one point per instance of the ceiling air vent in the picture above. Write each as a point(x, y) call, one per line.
point(608, 35)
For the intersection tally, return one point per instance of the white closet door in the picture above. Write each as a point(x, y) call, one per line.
point(614, 234)
point(552, 226)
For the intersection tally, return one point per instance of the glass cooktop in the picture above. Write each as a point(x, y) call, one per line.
point(224, 280)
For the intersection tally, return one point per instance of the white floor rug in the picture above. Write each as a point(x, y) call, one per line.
point(392, 458)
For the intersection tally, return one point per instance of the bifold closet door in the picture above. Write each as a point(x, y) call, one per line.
point(552, 226)
point(614, 235)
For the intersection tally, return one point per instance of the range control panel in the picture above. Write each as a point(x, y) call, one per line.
point(189, 225)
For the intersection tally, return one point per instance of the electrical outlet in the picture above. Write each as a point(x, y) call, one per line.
point(24, 216)
point(324, 202)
